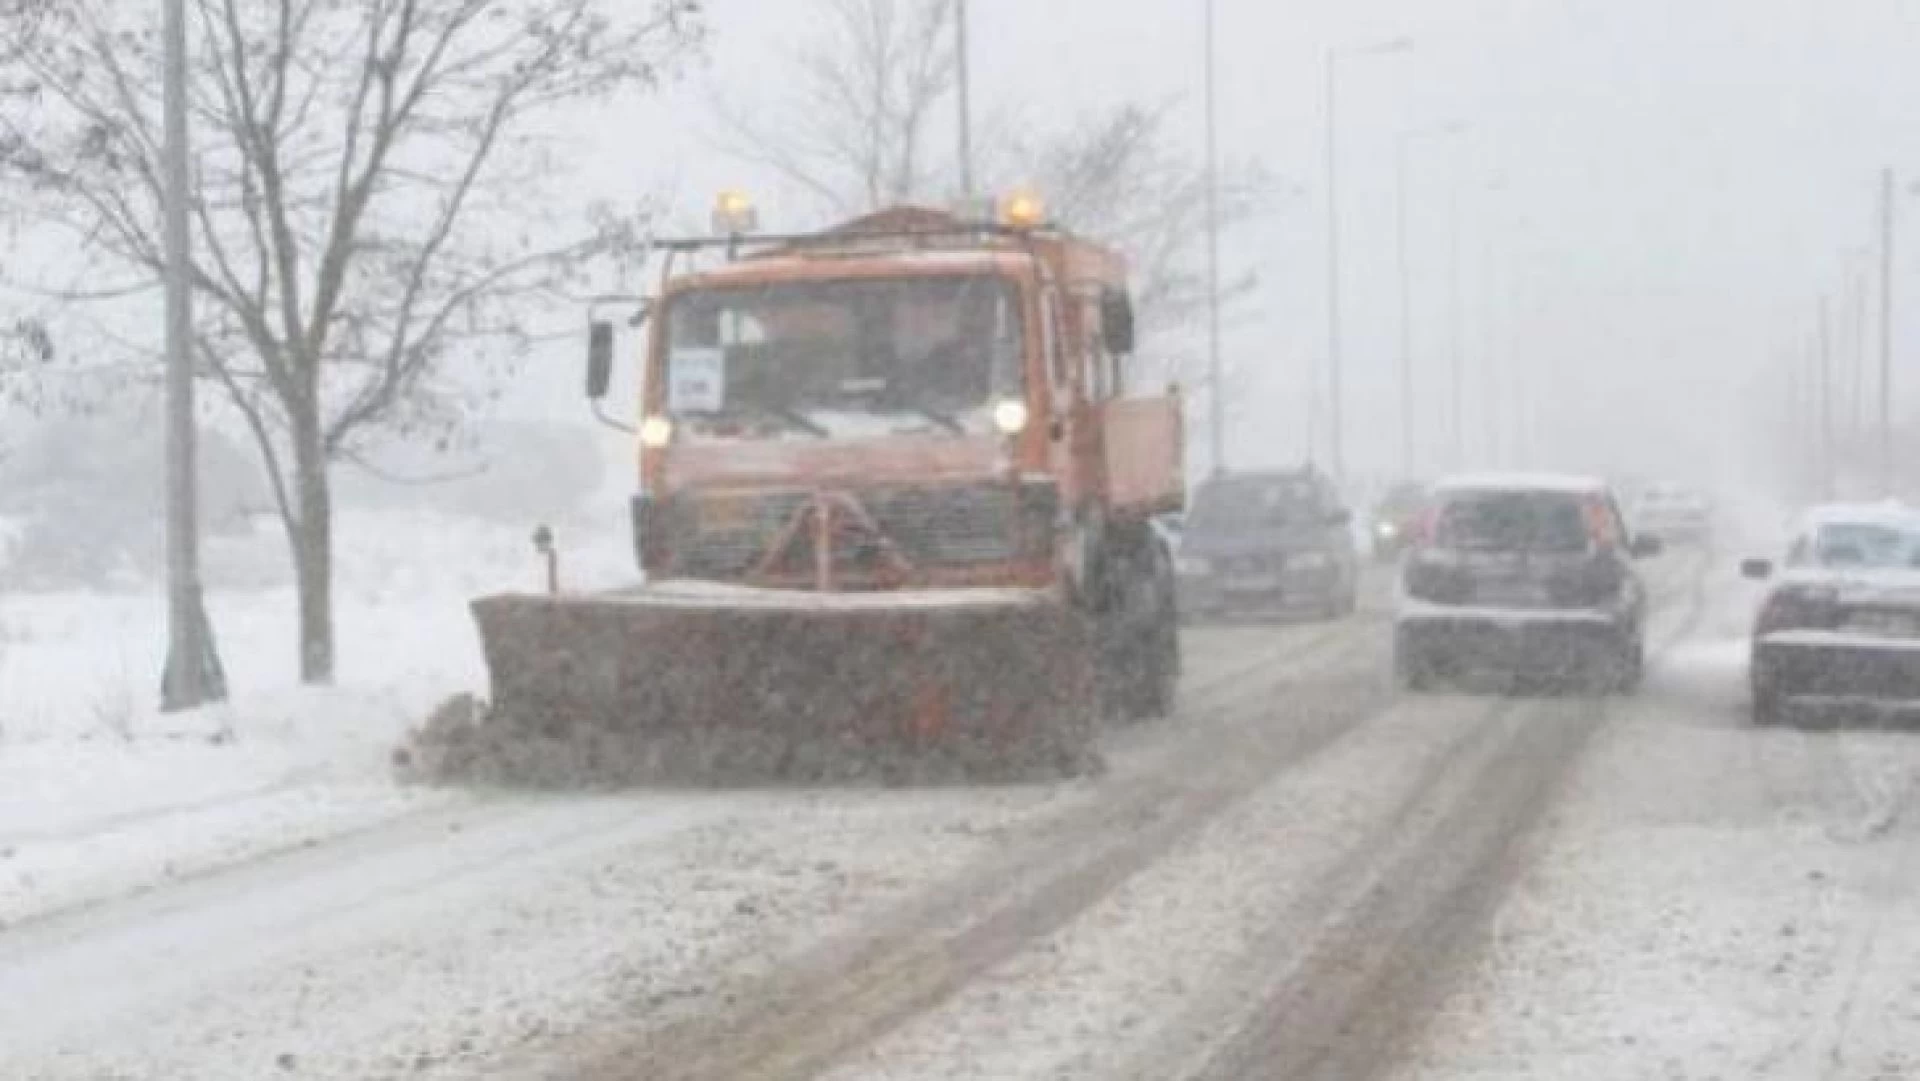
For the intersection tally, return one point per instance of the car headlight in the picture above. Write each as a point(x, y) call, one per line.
point(1192, 565)
point(1386, 530)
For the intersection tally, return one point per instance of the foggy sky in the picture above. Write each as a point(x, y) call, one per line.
point(1656, 190)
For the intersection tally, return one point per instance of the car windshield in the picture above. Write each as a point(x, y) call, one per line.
point(1512, 522)
point(1864, 545)
point(1224, 506)
point(840, 359)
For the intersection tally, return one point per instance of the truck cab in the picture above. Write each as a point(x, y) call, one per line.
point(908, 400)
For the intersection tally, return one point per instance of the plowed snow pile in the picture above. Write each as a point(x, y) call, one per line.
point(100, 794)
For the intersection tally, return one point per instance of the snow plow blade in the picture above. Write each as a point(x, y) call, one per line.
point(649, 686)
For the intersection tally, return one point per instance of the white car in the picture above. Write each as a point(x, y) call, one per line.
point(1841, 619)
point(1673, 512)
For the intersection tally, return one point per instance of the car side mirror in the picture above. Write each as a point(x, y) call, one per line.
point(1646, 546)
point(1757, 569)
point(1116, 322)
point(599, 358)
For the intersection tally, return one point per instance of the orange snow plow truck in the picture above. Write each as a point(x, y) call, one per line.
point(895, 513)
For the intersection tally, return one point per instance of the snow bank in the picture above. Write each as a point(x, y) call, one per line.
point(100, 792)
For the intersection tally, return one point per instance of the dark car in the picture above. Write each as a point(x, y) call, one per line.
point(1267, 542)
point(1531, 575)
point(1395, 518)
point(1840, 623)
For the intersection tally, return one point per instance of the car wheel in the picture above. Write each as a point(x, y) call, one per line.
point(1769, 706)
point(1630, 666)
point(1412, 668)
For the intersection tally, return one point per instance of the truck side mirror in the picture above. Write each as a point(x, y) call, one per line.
point(599, 358)
point(1116, 322)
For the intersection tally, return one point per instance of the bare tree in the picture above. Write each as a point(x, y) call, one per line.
point(1118, 176)
point(369, 202)
point(858, 127)
point(853, 125)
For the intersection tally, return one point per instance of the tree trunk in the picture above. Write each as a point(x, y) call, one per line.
point(311, 534)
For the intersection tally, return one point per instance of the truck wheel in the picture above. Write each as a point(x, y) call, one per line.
point(1160, 675)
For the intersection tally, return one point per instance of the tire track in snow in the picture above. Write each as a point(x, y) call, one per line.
point(1398, 917)
point(845, 995)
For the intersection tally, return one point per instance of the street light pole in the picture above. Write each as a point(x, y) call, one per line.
point(1336, 374)
point(193, 676)
point(1402, 157)
point(1827, 442)
point(1886, 332)
point(1457, 347)
point(1217, 392)
point(1406, 308)
point(1336, 422)
point(963, 60)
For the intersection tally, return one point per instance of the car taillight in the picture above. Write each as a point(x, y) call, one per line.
point(1796, 608)
point(1426, 525)
point(1600, 529)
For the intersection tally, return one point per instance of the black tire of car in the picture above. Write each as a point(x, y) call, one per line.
point(1769, 705)
point(1630, 666)
point(1412, 668)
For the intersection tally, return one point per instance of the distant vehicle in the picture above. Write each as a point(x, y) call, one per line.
point(1531, 574)
point(1267, 541)
point(1841, 619)
point(1674, 513)
point(1395, 518)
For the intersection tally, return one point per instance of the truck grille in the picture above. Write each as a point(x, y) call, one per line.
point(931, 527)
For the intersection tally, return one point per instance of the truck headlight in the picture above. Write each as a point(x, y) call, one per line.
point(1010, 416)
point(656, 432)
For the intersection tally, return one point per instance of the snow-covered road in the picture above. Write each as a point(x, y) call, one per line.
point(1303, 874)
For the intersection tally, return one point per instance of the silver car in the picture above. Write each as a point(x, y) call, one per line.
point(1840, 622)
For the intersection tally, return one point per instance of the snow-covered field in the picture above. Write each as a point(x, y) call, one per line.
point(100, 793)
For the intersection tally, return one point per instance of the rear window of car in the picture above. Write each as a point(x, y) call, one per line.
point(1253, 502)
point(1512, 522)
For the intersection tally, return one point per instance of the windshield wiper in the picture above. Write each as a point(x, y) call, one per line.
point(942, 419)
point(793, 419)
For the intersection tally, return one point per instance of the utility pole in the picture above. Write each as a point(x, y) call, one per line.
point(963, 59)
point(1886, 333)
point(1217, 394)
point(193, 677)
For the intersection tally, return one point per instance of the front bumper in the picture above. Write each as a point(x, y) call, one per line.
point(1293, 587)
point(1812, 664)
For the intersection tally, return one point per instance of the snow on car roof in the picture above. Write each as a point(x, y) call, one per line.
point(1522, 482)
point(1888, 512)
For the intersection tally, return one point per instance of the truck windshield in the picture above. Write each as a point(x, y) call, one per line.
point(843, 359)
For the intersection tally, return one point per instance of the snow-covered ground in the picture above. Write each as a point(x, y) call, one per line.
point(100, 793)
